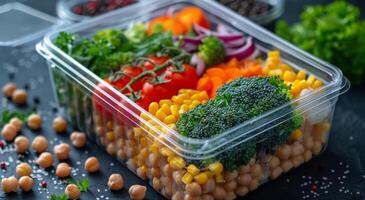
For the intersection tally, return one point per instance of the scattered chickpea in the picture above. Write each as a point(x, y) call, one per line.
point(59, 124)
point(34, 121)
point(19, 97)
point(115, 182)
point(137, 192)
point(17, 123)
point(63, 170)
point(40, 144)
point(26, 183)
point(9, 89)
point(23, 169)
point(9, 184)
point(9, 132)
point(62, 151)
point(78, 139)
point(45, 160)
point(92, 165)
point(72, 191)
point(193, 189)
point(21, 144)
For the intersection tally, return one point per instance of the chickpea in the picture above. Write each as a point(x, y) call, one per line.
point(193, 189)
point(244, 169)
point(78, 139)
point(40, 144)
point(59, 124)
point(242, 191)
point(254, 184)
point(190, 197)
point(137, 192)
point(45, 160)
point(179, 195)
point(209, 186)
point(275, 173)
point(23, 169)
point(207, 197)
point(167, 170)
point(62, 151)
point(157, 184)
point(121, 154)
point(308, 142)
point(244, 179)
point(230, 196)
point(283, 152)
point(9, 132)
point(111, 149)
point(72, 191)
point(317, 147)
point(9, 89)
point(297, 149)
point(229, 176)
point(286, 165)
point(307, 155)
point(19, 97)
point(141, 173)
point(219, 193)
point(34, 122)
point(274, 162)
point(177, 176)
point(298, 160)
point(17, 123)
point(63, 170)
point(9, 184)
point(21, 144)
point(26, 183)
point(92, 165)
point(230, 185)
point(115, 182)
point(256, 170)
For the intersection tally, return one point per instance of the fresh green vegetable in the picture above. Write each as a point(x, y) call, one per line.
point(333, 32)
point(109, 49)
point(212, 51)
point(59, 197)
point(7, 115)
point(235, 103)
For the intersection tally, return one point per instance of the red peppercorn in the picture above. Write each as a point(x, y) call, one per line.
point(2, 144)
point(77, 10)
point(44, 184)
point(314, 188)
point(2, 165)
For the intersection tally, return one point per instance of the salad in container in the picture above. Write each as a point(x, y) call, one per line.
point(192, 97)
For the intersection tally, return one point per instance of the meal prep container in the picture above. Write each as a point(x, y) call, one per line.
point(159, 154)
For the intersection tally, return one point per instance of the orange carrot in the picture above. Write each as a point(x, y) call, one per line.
point(216, 83)
point(204, 83)
point(233, 63)
point(233, 73)
point(192, 15)
point(215, 71)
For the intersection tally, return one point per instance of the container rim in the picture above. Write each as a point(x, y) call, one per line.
point(337, 86)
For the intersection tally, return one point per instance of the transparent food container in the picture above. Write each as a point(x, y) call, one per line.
point(155, 151)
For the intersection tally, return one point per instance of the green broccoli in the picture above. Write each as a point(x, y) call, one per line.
point(212, 51)
point(235, 103)
point(115, 37)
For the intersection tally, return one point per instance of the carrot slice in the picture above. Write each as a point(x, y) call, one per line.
point(175, 26)
point(204, 83)
point(216, 83)
point(256, 70)
point(190, 15)
point(215, 71)
point(233, 63)
point(233, 73)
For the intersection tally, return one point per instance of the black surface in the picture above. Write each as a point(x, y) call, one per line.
point(338, 174)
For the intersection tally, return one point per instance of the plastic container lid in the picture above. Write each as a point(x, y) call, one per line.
point(26, 24)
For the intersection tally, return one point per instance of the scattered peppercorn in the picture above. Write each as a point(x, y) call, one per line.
point(97, 7)
point(3, 165)
point(2, 144)
point(44, 184)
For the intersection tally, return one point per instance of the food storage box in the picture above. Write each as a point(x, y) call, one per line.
point(156, 152)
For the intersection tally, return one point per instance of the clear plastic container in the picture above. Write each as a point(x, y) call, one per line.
point(158, 153)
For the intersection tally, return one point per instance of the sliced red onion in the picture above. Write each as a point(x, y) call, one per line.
point(242, 52)
point(235, 43)
point(224, 37)
point(194, 40)
point(222, 29)
point(199, 62)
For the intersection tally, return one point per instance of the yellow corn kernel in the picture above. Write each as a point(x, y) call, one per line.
point(276, 72)
point(201, 178)
point(137, 131)
point(192, 169)
point(166, 152)
point(175, 110)
point(153, 107)
point(183, 109)
point(187, 178)
point(143, 141)
point(216, 168)
point(270, 66)
point(195, 97)
point(302, 84)
point(154, 148)
point(219, 178)
point(183, 96)
point(203, 95)
point(177, 163)
point(177, 99)
point(195, 103)
point(301, 75)
point(144, 116)
point(110, 136)
point(187, 101)
point(172, 126)
point(166, 109)
point(209, 174)
point(275, 54)
point(296, 134)
point(169, 119)
point(160, 114)
point(109, 125)
point(295, 90)
point(165, 101)
point(265, 70)
point(310, 80)
point(289, 76)
point(317, 84)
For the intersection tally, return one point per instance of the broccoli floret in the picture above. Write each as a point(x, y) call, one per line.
point(115, 37)
point(235, 103)
point(212, 51)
